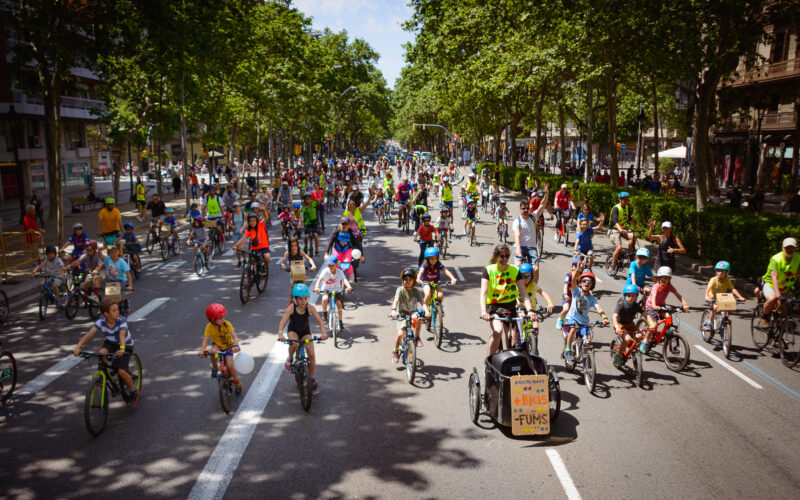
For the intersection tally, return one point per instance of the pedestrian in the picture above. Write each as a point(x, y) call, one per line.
point(668, 244)
point(38, 204)
point(34, 233)
point(176, 183)
point(193, 181)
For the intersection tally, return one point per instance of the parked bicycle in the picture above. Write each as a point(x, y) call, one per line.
point(300, 369)
point(106, 381)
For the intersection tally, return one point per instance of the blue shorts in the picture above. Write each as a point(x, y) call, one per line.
point(530, 252)
point(224, 352)
point(259, 251)
point(449, 204)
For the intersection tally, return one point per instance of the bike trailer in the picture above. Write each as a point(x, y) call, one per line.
point(499, 369)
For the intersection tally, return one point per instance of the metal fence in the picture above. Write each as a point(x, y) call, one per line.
point(20, 249)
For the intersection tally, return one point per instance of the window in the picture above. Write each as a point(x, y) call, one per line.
point(73, 135)
point(779, 46)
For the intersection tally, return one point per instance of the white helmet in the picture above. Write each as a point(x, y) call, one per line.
point(664, 271)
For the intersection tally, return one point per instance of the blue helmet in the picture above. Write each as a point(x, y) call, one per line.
point(296, 204)
point(643, 252)
point(526, 268)
point(723, 265)
point(331, 260)
point(300, 290)
point(431, 252)
point(127, 225)
point(631, 288)
point(623, 194)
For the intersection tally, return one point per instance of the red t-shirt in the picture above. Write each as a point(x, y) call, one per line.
point(426, 232)
point(562, 199)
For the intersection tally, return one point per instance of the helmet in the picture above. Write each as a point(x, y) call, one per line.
point(255, 204)
point(109, 201)
point(643, 252)
point(194, 204)
point(128, 225)
point(576, 181)
point(215, 312)
point(540, 193)
point(169, 210)
point(588, 274)
point(237, 204)
point(525, 268)
point(664, 271)
point(503, 201)
point(474, 168)
point(408, 272)
point(252, 215)
point(631, 288)
point(472, 174)
point(112, 247)
point(50, 248)
point(296, 204)
point(331, 260)
point(300, 290)
point(198, 217)
point(445, 179)
point(91, 244)
point(723, 265)
point(431, 252)
point(77, 225)
point(623, 194)
point(426, 215)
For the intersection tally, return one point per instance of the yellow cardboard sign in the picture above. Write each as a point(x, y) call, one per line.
point(298, 271)
point(726, 302)
point(114, 291)
point(530, 405)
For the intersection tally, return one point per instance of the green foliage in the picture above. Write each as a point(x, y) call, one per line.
point(666, 164)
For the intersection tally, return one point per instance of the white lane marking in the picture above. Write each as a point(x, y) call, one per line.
point(227, 253)
point(195, 277)
point(175, 264)
point(598, 279)
point(44, 379)
point(458, 272)
point(146, 309)
point(221, 465)
point(563, 474)
point(728, 367)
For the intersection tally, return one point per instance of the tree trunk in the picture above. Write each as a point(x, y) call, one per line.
point(702, 146)
point(562, 125)
point(611, 98)
point(796, 154)
point(186, 186)
point(589, 125)
point(497, 149)
point(655, 124)
point(116, 175)
point(513, 133)
point(538, 151)
point(52, 114)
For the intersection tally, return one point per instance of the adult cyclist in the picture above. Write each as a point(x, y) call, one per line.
point(621, 225)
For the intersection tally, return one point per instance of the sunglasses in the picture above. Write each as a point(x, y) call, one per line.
point(525, 276)
point(504, 256)
point(586, 281)
point(522, 209)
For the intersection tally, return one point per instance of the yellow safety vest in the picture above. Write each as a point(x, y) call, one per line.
point(357, 217)
point(502, 284)
point(623, 215)
point(140, 192)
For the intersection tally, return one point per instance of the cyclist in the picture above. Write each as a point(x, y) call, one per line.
point(447, 193)
point(501, 286)
point(116, 269)
point(471, 186)
point(531, 287)
point(117, 339)
point(131, 245)
point(417, 213)
point(297, 317)
point(256, 232)
point(230, 196)
point(563, 203)
point(524, 229)
point(583, 240)
point(109, 222)
point(780, 277)
point(537, 199)
point(444, 224)
point(294, 253)
point(157, 210)
point(198, 238)
point(582, 300)
point(79, 239)
point(429, 272)
point(470, 215)
point(639, 271)
point(620, 226)
point(501, 213)
point(52, 267)
point(285, 194)
point(353, 212)
point(566, 294)
point(212, 210)
point(656, 300)
point(310, 223)
point(237, 222)
point(194, 212)
point(141, 198)
point(223, 338)
point(494, 195)
point(332, 279)
point(484, 186)
point(403, 198)
point(87, 263)
point(624, 320)
point(406, 300)
point(719, 284)
point(169, 218)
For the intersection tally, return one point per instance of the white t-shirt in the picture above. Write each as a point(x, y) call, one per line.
point(331, 282)
point(527, 231)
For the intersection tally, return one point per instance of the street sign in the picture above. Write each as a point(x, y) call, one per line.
point(622, 147)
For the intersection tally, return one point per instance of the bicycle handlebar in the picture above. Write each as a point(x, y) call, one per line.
point(302, 341)
point(88, 355)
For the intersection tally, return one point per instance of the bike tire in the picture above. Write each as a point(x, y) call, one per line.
point(676, 351)
point(199, 267)
point(245, 284)
point(150, 242)
point(727, 339)
point(610, 269)
point(474, 397)
point(790, 343)
point(72, 305)
point(566, 233)
point(638, 367)
point(411, 359)
point(164, 246)
point(5, 308)
point(443, 247)
point(589, 370)
point(95, 407)
point(94, 310)
point(333, 325)
point(8, 375)
point(540, 241)
point(554, 398)
point(219, 248)
point(306, 390)
point(136, 371)
point(708, 334)
point(225, 392)
point(613, 348)
point(43, 301)
point(262, 278)
point(760, 336)
point(438, 326)
point(135, 268)
point(176, 245)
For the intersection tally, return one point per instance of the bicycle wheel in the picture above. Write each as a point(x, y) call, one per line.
point(708, 333)
point(8, 375)
point(44, 299)
point(199, 267)
point(610, 269)
point(94, 309)
point(589, 370)
point(555, 398)
point(790, 343)
point(219, 248)
point(614, 346)
point(759, 335)
point(176, 245)
point(676, 351)
point(225, 390)
point(164, 246)
point(333, 325)
point(246, 283)
point(726, 332)
point(532, 342)
point(4, 307)
point(411, 359)
point(95, 407)
point(438, 325)
point(638, 368)
point(306, 390)
point(262, 276)
point(135, 265)
point(570, 365)
point(566, 233)
point(150, 242)
point(474, 397)
point(135, 369)
point(72, 305)
point(443, 247)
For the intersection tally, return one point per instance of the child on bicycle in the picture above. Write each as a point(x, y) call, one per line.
point(624, 318)
point(582, 300)
point(406, 300)
point(52, 267)
point(583, 240)
point(501, 212)
point(526, 276)
point(169, 218)
point(332, 279)
point(639, 271)
point(79, 239)
point(566, 294)
point(297, 317)
point(131, 245)
point(117, 339)
point(719, 284)
point(470, 215)
point(198, 237)
point(193, 212)
point(430, 272)
point(297, 217)
point(223, 339)
point(380, 201)
point(444, 223)
point(656, 300)
point(256, 232)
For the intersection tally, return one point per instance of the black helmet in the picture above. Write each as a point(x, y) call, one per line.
point(408, 272)
point(50, 248)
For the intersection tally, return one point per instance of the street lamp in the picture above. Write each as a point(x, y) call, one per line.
point(14, 122)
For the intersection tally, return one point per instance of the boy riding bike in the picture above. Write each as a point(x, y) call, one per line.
point(223, 339)
point(582, 300)
point(624, 320)
point(719, 284)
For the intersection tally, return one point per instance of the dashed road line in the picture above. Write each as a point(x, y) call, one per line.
point(728, 367)
point(146, 309)
point(458, 272)
point(44, 379)
point(563, 475)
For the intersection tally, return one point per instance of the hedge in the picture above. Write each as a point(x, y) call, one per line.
point(747, 240)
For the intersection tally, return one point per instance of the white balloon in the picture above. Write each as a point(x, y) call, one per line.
point(356, 254)
point(243, 362)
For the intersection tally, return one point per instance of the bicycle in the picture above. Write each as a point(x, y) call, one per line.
point(623, 261)
point(502, 231)
point(722, 325)
point(529, 336)
point(4, 308)
point(783, 330)
point(255, 271)
point(170, 243)
point(104, 381)
point(47, 295)
point(202, 263)
point(583, 351)
point(153, 236)
point(380, 211)
point(333, 315)
point(131, 257)
point(408, 347)
point(676, 350)
point(300, 367)
point(443, 242)
point(632, 352)
point(471, 232)
point(562, 224)
point(79, 298)
point(224, 381)
point(436, 322)
point(8, 374)
point(216, 244)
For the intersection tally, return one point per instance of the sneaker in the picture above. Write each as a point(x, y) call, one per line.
point(643, 347)
point(341, 325)
point(568, 355)
point(287, 366)
point(618, 361)
point(325, 316)
point(763, 323)
point(213, 373)
point(707, 325)
point(133, 398)
point(395, 356)
point(555, 237)
point(237, 389)
point(559, 324)
point(239, 264)
point(419, 342)
point(314, 386)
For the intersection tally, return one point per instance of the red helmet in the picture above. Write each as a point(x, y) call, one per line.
point(588, 274)
point(91, 244)
point(215, 312)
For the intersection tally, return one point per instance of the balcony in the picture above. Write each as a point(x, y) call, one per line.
point(767, 72)
point(71, 107)
point(770, 122)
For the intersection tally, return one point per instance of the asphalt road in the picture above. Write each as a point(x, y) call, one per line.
point(707, 432)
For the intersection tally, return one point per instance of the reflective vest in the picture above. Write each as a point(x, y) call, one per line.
point(356, 217)
point(623, 215)
point(212, 207)
point(472, 187)
point(502, 284)
point(447, 193)
point(140, 192)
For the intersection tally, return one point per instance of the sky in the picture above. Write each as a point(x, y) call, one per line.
point(376, 21)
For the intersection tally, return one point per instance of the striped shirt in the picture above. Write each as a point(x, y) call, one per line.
point(111, 334)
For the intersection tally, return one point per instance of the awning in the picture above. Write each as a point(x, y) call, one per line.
point(679, 152)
